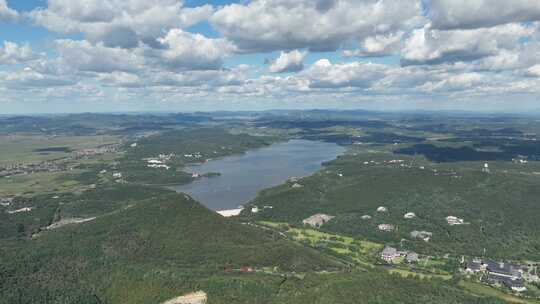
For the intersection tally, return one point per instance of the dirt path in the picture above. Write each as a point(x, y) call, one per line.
point(69, 221)
point(198, 297)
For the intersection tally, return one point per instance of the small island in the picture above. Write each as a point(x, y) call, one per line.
point(211, 174)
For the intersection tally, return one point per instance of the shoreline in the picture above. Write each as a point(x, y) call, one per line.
point(230, 212)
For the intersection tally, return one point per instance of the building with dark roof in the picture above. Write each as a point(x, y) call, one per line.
point(474, 267)
point(516, 285)
point(503, 269)
point(411, 257)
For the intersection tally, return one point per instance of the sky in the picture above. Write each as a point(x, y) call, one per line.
point(62, 56)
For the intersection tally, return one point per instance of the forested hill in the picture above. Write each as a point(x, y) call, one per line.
point(159, 248)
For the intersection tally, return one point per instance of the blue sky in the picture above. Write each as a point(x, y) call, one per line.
point(173, 55)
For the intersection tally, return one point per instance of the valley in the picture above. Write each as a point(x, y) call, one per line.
point(333, 209)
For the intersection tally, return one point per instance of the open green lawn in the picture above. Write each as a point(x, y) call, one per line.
point(361, 252)
point(36, 183)
point(57, 182)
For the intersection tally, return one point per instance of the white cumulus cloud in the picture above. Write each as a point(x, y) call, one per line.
point(84, 56)
point(377, 46)
point(324, 75)
point(193, 51)
point(470, 14)
point(29, 78)
point(288, 62)
point(7, 14)
point(323, 25)
point(534, 71)
point(12, 53)
point(118, 23)
point(431, 46)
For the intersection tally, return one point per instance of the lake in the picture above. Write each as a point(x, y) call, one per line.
point(243, 176)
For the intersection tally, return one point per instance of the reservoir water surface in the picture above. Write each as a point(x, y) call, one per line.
point(243, 176)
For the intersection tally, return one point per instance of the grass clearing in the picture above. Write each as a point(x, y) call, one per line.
point(483, 290)
point(43, 182)
point(359, 251)
point(407, 273)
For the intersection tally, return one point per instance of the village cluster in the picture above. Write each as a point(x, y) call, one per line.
point(403, 164)
point(55, 165)
point(31, 168)
point(425, 235)
point(499, 274)
point(509, 275)
point(320, 219)
point(160, 161)
point(392, 255)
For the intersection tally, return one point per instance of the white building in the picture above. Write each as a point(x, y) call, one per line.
point(409, 215)
point(382, 209)
point(389, 254)
point(386, 227)
point(317, 220)
point(453, 220)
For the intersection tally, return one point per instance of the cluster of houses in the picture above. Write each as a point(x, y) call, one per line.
point(388, 162)
point(388, 227)
point(195, 155)
point(512, 276)
point(159, 162)
point(22, 169)
point(55, 165)
point(86, 153)
point(423, 235)
point(405, 165)
point(392, 255)
point(156, 163)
